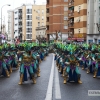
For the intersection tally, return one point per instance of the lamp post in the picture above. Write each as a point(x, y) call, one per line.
point(1, 15)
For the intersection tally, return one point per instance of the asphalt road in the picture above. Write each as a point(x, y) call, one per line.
point(75, 91)
point(10, 90)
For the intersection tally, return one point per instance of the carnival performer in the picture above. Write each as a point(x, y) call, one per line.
point(26, 66)
point(97, 67)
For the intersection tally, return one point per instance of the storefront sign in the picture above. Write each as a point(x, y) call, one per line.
point(80, 39)
point(72, 38)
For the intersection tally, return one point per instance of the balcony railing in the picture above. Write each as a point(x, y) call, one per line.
point(71, 3)
point(71, 25)
point(71, 14)
point(71, 21)
point(20, 25)
point(19, 20)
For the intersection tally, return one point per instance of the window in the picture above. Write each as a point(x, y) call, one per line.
point(15, 24)
point(15, 18)
point(65, 27)
point(37, 33)
point(79, 8)
point(99, 20)
point(38, 11)
point(47, 10)
point(29, 23)
point(16, 12)
point(98, 41)
point(20, 11)
point(37, 17)
point(65, 0)
point(29, 11)
point(29, 17)
point(47, 2)
point(42, 23)
point(47, 27)
point(65, 8)
point(38, 23)
point(65, 18)
point(47, 19)
point(42, 17)
point(90, 41)
point(20, 23)
point(29, 30)
point(29, 36)
point(79, 30)
point(42, 11)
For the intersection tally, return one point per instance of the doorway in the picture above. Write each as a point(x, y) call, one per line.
point(95, 41)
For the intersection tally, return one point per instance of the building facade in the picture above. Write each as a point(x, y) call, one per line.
point(56, 17)
point(67, 17)
point(3, 28)
point(77, 19)
point(3, 25)
point(10, 25)
point(41, 31)
point(93, 21)
point(26, 20)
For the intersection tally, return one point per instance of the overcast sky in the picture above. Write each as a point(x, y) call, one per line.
point(15, 4)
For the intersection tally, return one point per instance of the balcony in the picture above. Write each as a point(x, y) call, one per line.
point(20, 14)
point(71, 25)
point(19, 20)
point(19, 25)
point(71, 4)
point(47, 14)
point(71, 14)
point(47, 23)
point(71, 21)
point(47, 2)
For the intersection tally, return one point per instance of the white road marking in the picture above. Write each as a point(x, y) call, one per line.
point(50, 84)
point(57, 85)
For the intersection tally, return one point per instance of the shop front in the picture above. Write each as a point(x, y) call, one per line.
point(77, 39)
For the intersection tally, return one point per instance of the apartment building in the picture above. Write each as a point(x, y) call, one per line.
point(77, 23)
point(28, 21)
point(93, 21)
point(10, 25)
point(3, 28)
point(3, 25)
point(56, 17)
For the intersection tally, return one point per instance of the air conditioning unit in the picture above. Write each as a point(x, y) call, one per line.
point(36, 17)
point(71, 21)
point(78, 20)
point(37, 11)
point(65, 18)
point(78, 10)
point(79, 30)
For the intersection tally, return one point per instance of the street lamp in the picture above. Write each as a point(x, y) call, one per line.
point(1, 15)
